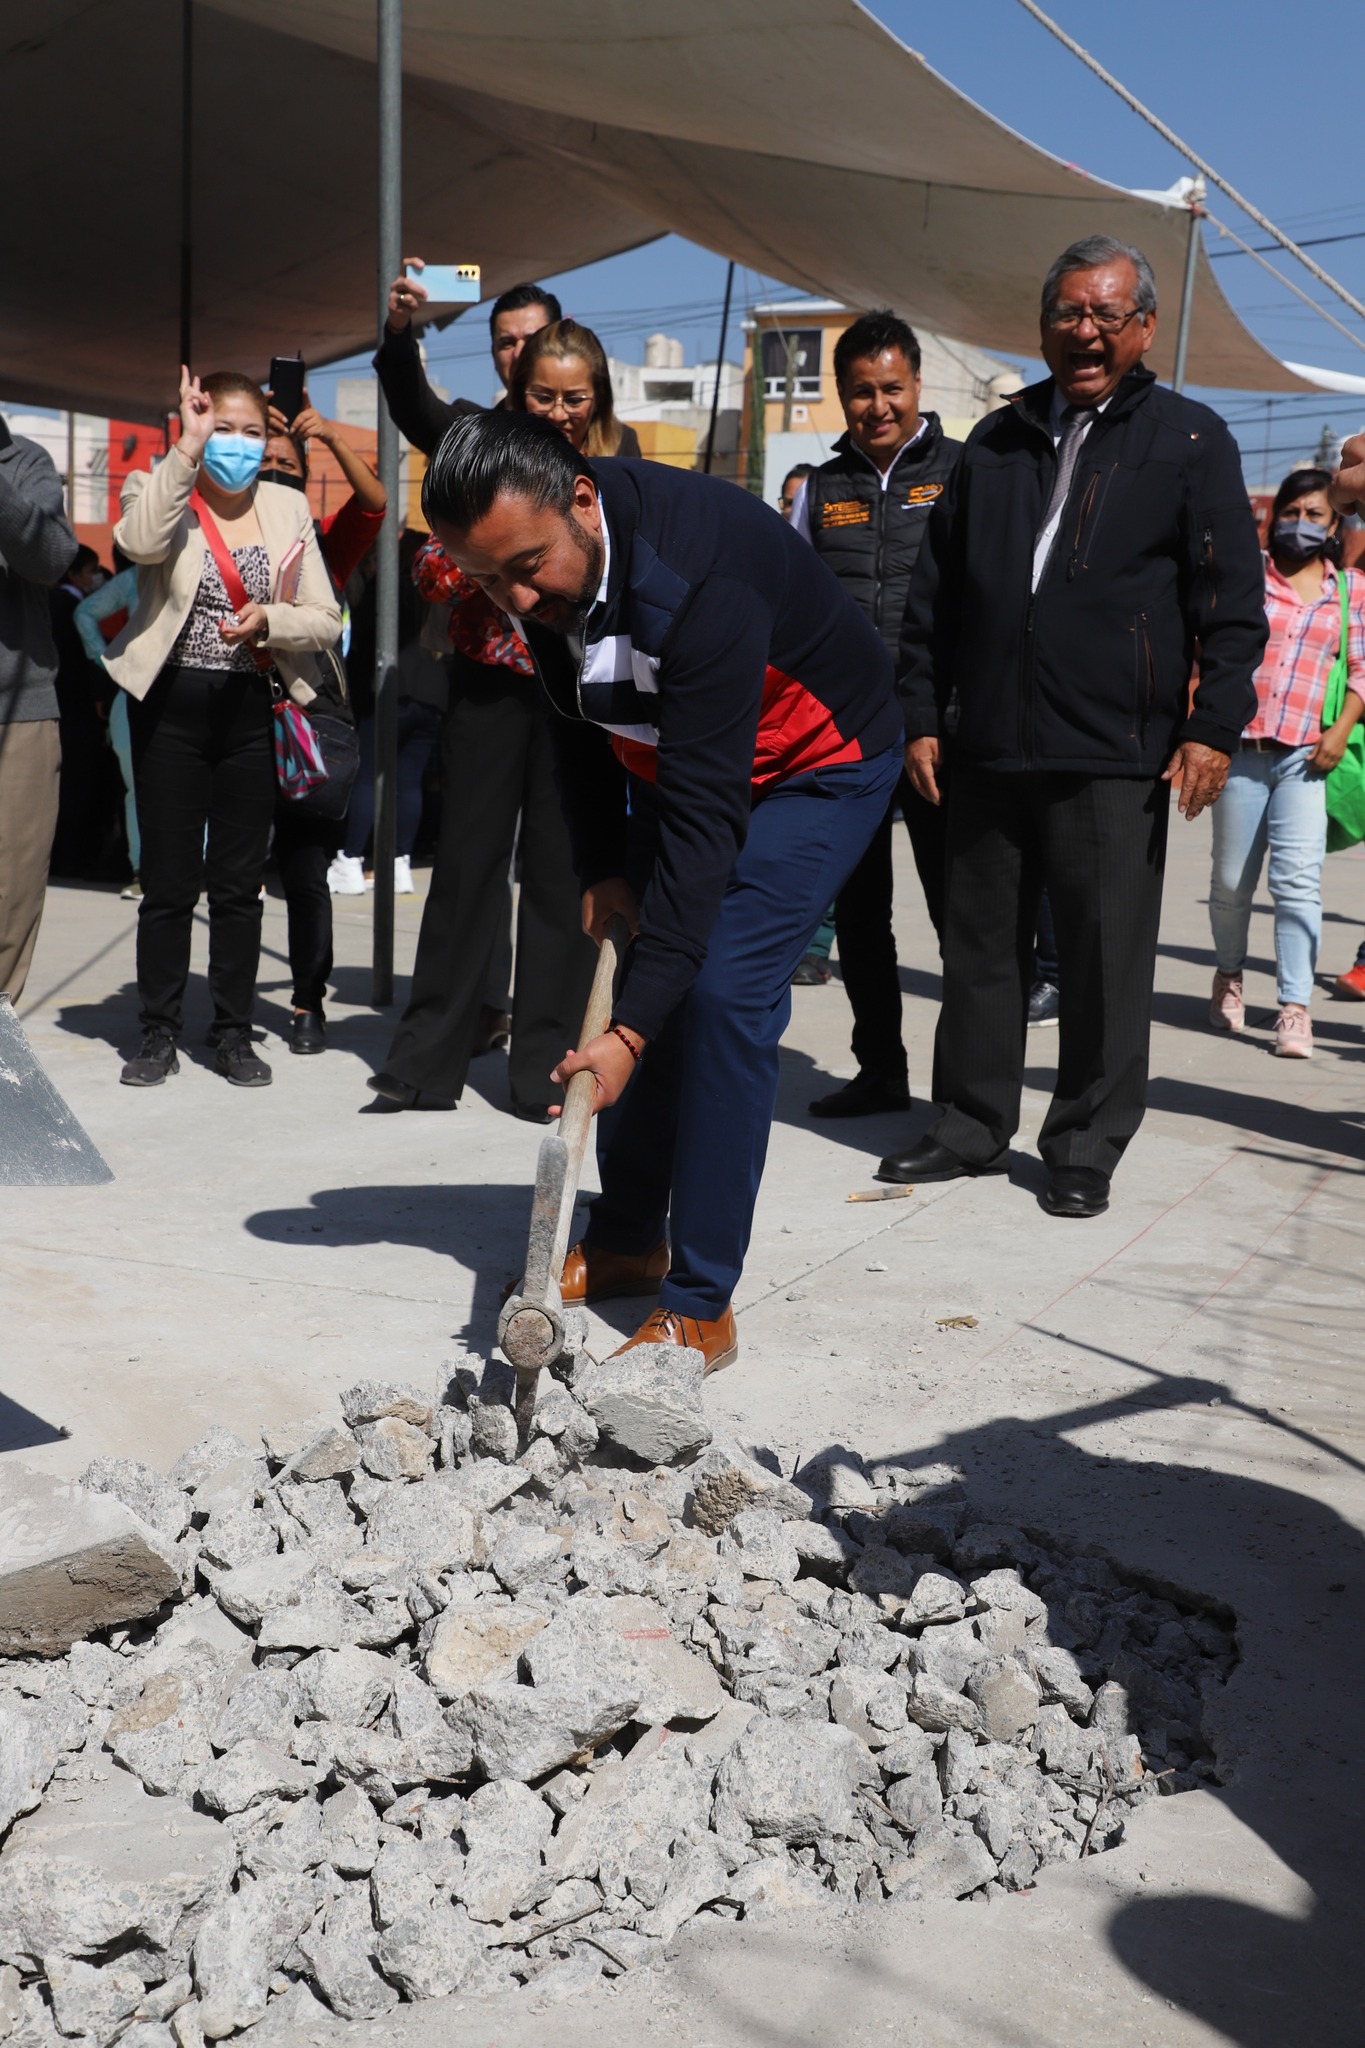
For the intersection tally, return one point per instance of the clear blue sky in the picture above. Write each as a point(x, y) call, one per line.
point(1252, 93)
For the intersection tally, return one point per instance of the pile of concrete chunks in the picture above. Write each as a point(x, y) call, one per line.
point(390, 1706)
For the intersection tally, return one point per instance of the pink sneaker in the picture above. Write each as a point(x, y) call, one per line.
point(1227, 1011)
point(1294, 1033)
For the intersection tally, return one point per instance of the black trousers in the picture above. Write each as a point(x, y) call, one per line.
point(496, 764)
point(1098, 845)
point(867, 946)
point(203, 762)
point(304, 846)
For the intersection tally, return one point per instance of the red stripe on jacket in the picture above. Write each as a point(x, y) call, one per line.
point(796, 735)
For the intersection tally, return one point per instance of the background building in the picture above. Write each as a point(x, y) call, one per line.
point(668, 402)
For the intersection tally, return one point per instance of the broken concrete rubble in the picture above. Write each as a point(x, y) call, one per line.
point(433, 1711)
point(72, 1562)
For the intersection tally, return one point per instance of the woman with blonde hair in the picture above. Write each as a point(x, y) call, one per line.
point(561, 375)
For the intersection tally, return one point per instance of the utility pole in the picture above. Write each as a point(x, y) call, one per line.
point(789, 382)
point(720, 364)
point(186, 181)
point(758, 415)
point(390, 212)
point(1195, 200)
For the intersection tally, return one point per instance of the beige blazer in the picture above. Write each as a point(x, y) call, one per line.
point(160, 533)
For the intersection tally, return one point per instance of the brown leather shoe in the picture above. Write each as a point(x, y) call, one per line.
point(717, 1341)
point(593, 1274)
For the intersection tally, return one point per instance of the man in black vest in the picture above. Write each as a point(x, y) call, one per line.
point(865, 511)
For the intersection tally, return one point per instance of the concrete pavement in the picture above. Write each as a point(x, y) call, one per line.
point(1176, 1381)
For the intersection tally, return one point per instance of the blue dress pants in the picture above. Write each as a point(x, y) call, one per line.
point(687, 1141)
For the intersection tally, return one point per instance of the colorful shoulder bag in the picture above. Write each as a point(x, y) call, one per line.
point(1346, 782)
point(299, 764)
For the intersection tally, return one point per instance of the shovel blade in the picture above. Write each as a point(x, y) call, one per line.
point(41, 1143)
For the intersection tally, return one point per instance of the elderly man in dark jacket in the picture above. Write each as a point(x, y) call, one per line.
point(1097, 535)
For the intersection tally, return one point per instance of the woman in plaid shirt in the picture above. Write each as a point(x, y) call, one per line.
point(1275, 795)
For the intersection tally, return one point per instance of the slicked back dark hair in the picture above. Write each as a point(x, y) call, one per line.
point(518, 295)
point(871, 335)
point(489, 455)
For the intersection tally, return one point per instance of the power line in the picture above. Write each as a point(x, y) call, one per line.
point(1200, 163)
point(1289, 284)
point(1269, 248)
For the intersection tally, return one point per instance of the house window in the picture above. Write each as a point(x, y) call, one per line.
point(804, 343)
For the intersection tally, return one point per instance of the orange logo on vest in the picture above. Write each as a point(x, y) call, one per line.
point(846, 512)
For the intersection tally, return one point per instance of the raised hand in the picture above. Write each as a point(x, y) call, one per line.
point(406, 295)
point(196, 416)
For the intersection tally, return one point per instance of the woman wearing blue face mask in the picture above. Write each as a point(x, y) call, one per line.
point(200, 657)
point(1275, 796)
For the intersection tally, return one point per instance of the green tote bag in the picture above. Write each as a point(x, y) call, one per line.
point(1346, 783)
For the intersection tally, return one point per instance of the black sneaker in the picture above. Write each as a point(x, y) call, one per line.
point(307, 1032)
point(153, 1061)
point(237, 1063)
point(1044, 1003)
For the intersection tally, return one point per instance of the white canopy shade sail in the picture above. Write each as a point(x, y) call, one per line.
point(796, 136)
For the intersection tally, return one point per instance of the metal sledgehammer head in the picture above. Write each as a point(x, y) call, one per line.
point(531, 1327)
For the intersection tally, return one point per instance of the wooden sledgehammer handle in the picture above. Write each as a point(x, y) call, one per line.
point(575, 1119)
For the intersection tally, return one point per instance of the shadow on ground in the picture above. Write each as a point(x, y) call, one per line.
point(480, 1226)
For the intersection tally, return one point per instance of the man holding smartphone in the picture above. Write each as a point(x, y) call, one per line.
point(415, 409)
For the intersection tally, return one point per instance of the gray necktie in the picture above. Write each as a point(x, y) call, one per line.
point(1075, 420)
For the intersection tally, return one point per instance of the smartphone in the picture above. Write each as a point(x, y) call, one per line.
point(448, 284)
point(286, 385)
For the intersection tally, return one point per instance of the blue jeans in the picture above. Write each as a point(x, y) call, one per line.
point(419, 728)
point(1271, 800)
point(688, 1139)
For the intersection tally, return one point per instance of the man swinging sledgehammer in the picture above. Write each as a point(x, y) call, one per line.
point(728, 744)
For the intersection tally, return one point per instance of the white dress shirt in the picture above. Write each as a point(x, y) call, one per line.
point(1043, 545)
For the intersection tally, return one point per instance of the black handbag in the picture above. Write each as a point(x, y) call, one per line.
point(340, 746)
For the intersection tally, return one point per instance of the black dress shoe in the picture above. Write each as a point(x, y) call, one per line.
point(307, 1033)
point(811, 972)
point(403, 1095)
point(1076, 1191)
point(864, 1095)
point(926, 1159)
point(531, 1112)
point(493, 1032)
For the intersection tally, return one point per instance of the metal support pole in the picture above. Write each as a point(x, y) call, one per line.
point(720, 362)
point(390, 67)
point(1182, 332)
point(186, 180)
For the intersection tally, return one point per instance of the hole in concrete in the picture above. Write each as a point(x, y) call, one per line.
point(454, 1713)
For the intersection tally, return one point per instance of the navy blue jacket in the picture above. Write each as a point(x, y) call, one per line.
point(725, 658)
point(1156, 558)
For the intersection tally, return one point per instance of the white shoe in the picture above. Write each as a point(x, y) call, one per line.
point(403, 884)
point(346, 875)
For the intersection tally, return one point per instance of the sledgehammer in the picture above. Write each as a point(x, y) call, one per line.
point(530, 1328)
